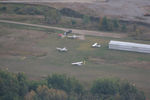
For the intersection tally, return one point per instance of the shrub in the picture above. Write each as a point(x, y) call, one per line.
point(3, 8)
point(105, 87)
point(70, 13)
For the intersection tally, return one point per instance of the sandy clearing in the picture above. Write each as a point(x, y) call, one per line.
point(77, 31)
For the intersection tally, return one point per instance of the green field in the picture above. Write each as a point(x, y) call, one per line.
point(33, 51)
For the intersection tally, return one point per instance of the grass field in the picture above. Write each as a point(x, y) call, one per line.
point(33, 51)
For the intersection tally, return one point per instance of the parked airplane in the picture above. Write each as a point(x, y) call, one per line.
point(96, 45)
point(78, 63)
point(62, 49)
point(73, 36)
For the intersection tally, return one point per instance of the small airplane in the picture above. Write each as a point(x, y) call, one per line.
point(78, 63)
point(62, 49)
point(96, 45)
point(73, 36)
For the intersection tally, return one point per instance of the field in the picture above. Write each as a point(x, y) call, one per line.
point(33, 50)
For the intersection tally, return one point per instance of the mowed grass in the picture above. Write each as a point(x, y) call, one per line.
point(100, 62)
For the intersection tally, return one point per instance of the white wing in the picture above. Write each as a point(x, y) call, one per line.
point(58, 48)
point(95, 44)
point(77, 63)
point(62, 49)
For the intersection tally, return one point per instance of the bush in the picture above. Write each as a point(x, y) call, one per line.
point(114, 89)
point(130, 92)
point(104, 24)
point(44, 93)
point(12, 86)
point(105, 87)
point(61, 87)
point(115, 24)
point(73, 22)
point(70, 13)
point(27, 11)
point(3, 8)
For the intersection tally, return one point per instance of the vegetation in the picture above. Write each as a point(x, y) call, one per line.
point(110, 61)
point(123, 28)
point(86, 19)
point(60, 87)
point(63, 18)
point(101, 62)
point(12, 86)
point(52, 16)
point(114, 89)
point(70, 13)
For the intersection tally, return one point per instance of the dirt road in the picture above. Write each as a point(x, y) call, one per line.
point(77, 31)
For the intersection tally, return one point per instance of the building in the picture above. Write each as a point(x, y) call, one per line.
point(129, 46)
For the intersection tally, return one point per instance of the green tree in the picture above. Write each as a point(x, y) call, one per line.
point(105, 87)
point(65, 83)
point(123, 28)
point(44, 93)
point(12, 86)
point(130, 92)
point(115, 24)
point(104, 25)
point(3, 8)
point(73, 22)
point(34, 84)
point(23, 84)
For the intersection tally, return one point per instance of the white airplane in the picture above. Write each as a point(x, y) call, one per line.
point(78, 63)
point(96, 45)
point(62, 49)
point(73, 36)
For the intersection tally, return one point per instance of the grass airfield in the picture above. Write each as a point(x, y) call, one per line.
point(33, 50)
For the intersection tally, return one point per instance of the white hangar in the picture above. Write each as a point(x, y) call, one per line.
point(129, 46)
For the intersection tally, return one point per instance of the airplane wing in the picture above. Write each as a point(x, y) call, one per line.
point(94, 44)
point(58, 48)
point(77, 63)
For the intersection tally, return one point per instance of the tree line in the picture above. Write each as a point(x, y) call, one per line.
point(16, 86)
